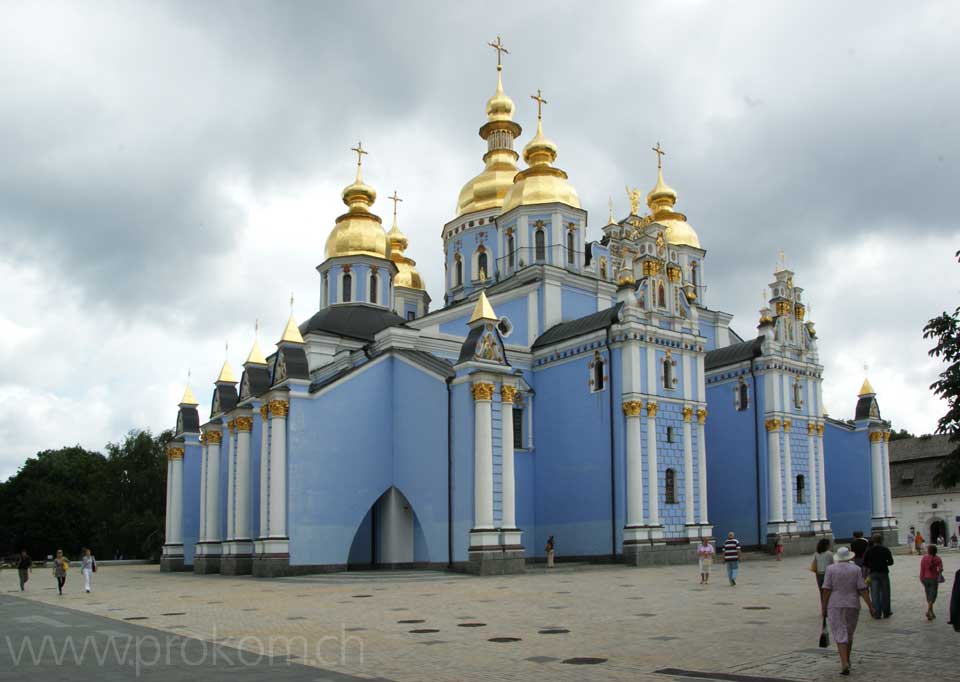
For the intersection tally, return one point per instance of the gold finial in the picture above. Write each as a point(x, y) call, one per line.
point(540, 102)
point(501, 50)
point(361, 152)
point(658, 150)
point(610, 204)
point(483, 310)
point(255, 357)
point(395, 199)
point(188, 397)
point(291, 304)
point(291, 332)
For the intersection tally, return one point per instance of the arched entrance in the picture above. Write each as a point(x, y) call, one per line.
point(385, 537)
point(938, 529)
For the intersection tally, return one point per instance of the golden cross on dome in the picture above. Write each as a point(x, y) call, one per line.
point(501, 50)
point(540, 102)
point(658, 150)
point(361, 152)
point(395, 198)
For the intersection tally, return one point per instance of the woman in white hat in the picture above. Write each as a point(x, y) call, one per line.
point(843, 586)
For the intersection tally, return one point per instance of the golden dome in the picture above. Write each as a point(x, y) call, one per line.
point(866, 389)
point(661, 200)
point(407, 275)
point(188, 397)
point(541, 182)
point(487, 190)
point(358, 232)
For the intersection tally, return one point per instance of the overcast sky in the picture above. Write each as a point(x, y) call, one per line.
point(169, 172)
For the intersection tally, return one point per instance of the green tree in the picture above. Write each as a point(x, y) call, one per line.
point(945, 329)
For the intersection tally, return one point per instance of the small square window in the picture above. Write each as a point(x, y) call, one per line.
point(669, 434)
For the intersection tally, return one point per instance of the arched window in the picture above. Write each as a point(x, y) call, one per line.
point(571, 245)
point(482, 264)
point(458, 271)
point(661, 296)
point(373, 287)
point(694, 277)
point(668, 379)
point(743, 395)
point(797, 393)
point(597, 369)
point(511, 256)
point(540, 245)
point(670, 486)
point(346, 283)
point(326, 290)
point(801, 489)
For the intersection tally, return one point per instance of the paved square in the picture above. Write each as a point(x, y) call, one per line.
point(574, 623)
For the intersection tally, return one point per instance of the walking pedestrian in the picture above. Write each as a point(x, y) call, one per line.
point(859, 546)
point(24, 568)
point(931, 575)
point(878, 561)
point(88, 565)
point(842, 586)
point(955, 603)
point(918, 543)
point(705, 559)
point(549, 550)
point(911, 536)
point(821, 559)
point(60, 566)
point(732, 556)
point(778, 547)
point(953, 541)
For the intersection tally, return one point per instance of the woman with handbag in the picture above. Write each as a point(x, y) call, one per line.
point(931, 575)
point(60, 566)
point(843, 587)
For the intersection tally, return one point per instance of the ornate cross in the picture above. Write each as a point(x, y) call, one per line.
point(540, 102)
point(291, 300)
point(658, 150)
point(501, 50)
point(395, 199)
point(361, 152)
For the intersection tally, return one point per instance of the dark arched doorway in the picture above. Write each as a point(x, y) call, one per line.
point(385, 537)
point(938, 529)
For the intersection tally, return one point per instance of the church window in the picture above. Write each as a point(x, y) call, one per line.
point(540, 245)
point(511, 256)
point(346, 284)
point(373, 287)
point(603, 267)
point(482, 264)
point(801, 489)
point(517, 428)
point(458, 271)
point(669, 380)
point(694, 277)
point(797, 393)
point(326, 290)
point(571, 243)
point(411, 315)
point(661, 296)
point(597, 369)
point(742, 395)
point(670, 434)
point(670, 486)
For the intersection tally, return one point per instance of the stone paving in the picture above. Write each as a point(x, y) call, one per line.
point(408, 626)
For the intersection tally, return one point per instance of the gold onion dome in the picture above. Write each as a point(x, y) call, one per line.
point(358, 232)
point(661, 200)
point(541, 182)
point(407, 275)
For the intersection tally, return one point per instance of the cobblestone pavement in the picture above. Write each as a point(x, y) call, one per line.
point(408, 626)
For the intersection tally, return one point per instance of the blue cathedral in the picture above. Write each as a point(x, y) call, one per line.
point(574, 388)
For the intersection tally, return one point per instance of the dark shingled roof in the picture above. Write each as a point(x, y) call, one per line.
point(356, 321)
point(863, 407)
point(255, 381)
point(732, 354)
point(584, 325)
point(914, 462)
point(188, 420)
point(426, 360)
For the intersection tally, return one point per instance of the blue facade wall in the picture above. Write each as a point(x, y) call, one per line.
point(462, 450)
point(191, 500)
point(849, 483)
point(576, 303)
point(255, 435)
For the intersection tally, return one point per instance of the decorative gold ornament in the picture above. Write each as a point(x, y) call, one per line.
point(482, 391)
point(701, 415)
point(787, 424)
point(265, 412)
point(203, 439)
point(687, 413)
point(886, 436)
point(632, 408)
point(674, 273)
point(820, 430)
point(174, 453)
point(651, 409)
point(214, 437)
point(279, 408)
point(507, 394)
point(799, 311)
point(772, 424)
point(811, 428)
point(784, 308)
point(232, 425)
point(244, 424)
point(876, 436)
point(650, 268)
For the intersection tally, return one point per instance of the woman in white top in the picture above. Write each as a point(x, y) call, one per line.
point(822, 559)
point(88, 564)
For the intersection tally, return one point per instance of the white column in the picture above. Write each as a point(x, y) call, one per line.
point(507, 394)
point(653, 482)
point(632, 409)
point(242, 494)
point(812, 473)
point(876, 469)
point(774, 487)
point(688, 496)
point(213, 485)
point(821, 473)
point(231, 481)
point(176, 499)
point(168, 508)
point(202, 534)
point(482, 457)
point(888, 497)
point(278, 468)
point(264, 530)
point(788, 480)
point(702, 464)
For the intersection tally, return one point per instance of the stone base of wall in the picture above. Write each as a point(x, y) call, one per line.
point(173, 564)
point(496, 562)
point(236, 564)
point(891, 536)
point(645, 554)
point(204, 565)
point(797, 545)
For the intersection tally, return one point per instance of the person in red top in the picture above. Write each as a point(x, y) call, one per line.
point(931, 573)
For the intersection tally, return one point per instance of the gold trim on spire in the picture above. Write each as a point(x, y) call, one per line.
point(866, 389)
point(188, 397)
point(226, 374)
point(483, 310)
point(291, 333)
point(256, 357)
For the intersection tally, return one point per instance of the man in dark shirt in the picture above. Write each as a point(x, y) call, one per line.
point(878, 561)
point(24, 567)
point(859, 547)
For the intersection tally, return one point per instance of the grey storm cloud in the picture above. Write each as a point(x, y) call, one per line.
point(802, 127)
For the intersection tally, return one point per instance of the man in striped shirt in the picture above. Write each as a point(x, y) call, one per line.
point(732, 556)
